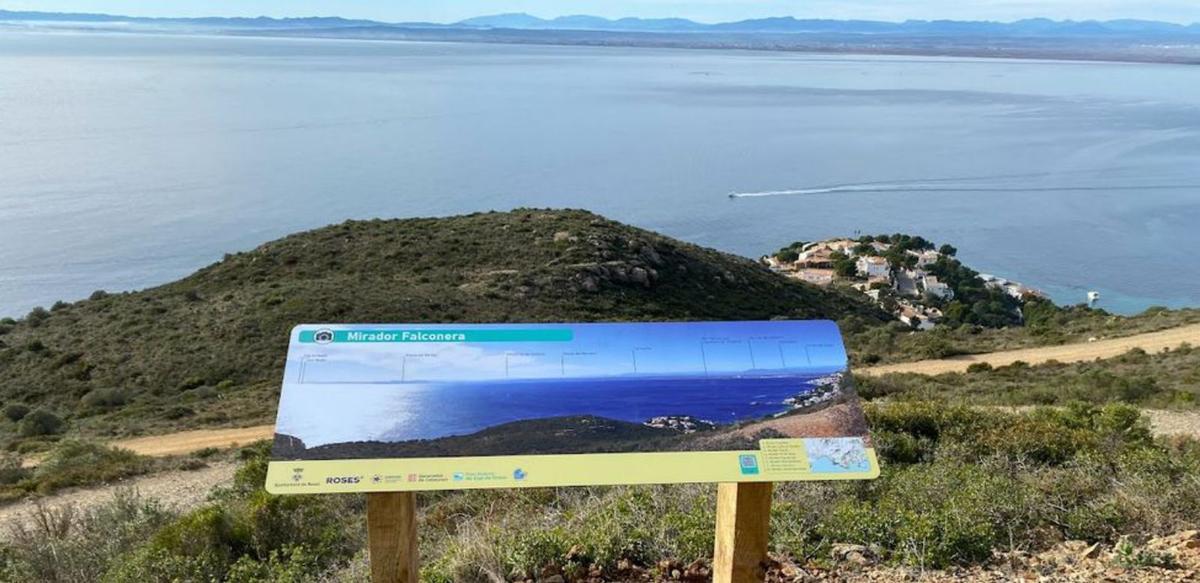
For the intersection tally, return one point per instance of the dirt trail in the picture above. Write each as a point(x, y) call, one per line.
point(186, 442)
point(179, 489)
point(1083, 351)
point(1175, 422)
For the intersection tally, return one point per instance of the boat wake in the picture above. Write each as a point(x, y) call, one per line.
point(1001, 183)
point(907, 188)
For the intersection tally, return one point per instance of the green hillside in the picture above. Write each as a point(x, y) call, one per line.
point(208, 349)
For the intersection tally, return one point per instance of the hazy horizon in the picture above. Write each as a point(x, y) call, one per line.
point(1178, 12)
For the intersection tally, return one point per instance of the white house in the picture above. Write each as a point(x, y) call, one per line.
point(935, 287)
point(910, 316)
point(925, 258)
point(873, 267)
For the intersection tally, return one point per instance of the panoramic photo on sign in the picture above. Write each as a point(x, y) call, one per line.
point(426, 407)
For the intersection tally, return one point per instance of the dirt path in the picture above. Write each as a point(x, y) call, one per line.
point(1175, 422)
point(186, 442)
point(180, 489)
point(1083, 351)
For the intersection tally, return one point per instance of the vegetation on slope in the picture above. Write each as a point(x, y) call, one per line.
point(958, 484)
point(1046, 325)
point(209, 349)
point(1165, 380)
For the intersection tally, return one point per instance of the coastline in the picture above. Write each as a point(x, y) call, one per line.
point(848, 45)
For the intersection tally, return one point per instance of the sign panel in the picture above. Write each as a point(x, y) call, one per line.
point(428, 407)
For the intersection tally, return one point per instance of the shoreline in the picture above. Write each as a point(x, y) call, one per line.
point(801, 43)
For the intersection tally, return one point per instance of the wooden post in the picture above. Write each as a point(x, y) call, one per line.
point(392, 537)
point(743, 530)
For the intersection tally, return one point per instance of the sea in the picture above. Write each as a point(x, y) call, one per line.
point(407, 411)
point(130, 160)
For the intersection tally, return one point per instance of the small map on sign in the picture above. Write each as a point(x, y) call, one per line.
point(837, 454)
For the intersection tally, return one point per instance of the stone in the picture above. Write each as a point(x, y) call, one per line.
point(1091, 552)
point(649, 255)
point(640, 275)
point(590, 284)
point(696, 571)
point(856, 554)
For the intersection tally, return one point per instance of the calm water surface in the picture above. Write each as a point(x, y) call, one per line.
point(128, 161)
point(400, 412)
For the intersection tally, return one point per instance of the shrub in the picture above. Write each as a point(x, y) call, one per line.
point(1131, 557)
point(933, 515)
point(37, 316)
point(933, 345)
point(75, 463)
point(41, 422)
point(16, 412)
point(11, 470)
point(178, 412)
point(65, 545)
point(104, 399)
point(978, 367)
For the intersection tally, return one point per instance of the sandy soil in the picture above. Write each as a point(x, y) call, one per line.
point(182, 489)
point(834, 421)
point(1175, 422)
point(186, 442)
point(1083, 351)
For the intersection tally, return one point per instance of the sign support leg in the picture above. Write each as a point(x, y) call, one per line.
point(392, 537)
point(743, 530)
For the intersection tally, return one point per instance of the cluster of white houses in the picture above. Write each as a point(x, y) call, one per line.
point(874, 273)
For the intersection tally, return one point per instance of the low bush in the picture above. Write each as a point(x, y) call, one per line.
point(16, 412)
point(958, 484)
point(41, 422)
point(67, 546)
point(76, 463)
point(104, 399)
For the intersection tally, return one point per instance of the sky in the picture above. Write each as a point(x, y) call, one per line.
point(1183, 11)
point(325, 385)
point(595, 351)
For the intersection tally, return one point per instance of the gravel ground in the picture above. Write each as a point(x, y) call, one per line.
point(180, 489)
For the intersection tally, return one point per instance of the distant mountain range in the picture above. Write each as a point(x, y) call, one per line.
point(1036, 27)
point(788, 24)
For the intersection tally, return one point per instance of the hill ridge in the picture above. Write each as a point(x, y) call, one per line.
point(208, 349)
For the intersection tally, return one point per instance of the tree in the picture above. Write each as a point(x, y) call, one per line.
point(843, 266)
point(948, 249)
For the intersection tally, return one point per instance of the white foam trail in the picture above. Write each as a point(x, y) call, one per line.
point(870, 187)
point(944, 187)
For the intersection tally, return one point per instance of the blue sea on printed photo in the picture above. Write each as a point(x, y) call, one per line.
point(132, 160)
point(402, 412)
